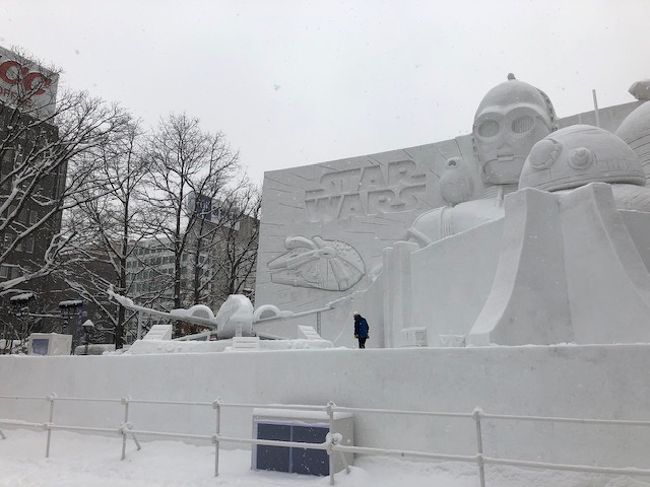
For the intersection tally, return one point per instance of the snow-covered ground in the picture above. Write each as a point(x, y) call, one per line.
point(83, 460)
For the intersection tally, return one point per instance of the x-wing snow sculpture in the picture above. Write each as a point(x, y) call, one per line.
point(236, 316)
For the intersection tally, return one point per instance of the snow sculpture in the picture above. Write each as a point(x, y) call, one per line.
point(332, 265)
point(568, 261)
point(640, 89)
point(577, 155)
point(581, 154)
point(235, 317)
point(510, 119)
point(635, 130)
point(456, 184)
point(569, 269)
point(198, 311)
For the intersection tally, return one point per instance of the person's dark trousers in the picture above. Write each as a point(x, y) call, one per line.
point(362, 342)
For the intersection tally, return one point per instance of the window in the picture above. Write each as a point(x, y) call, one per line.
point(29, 245)
point(7, 185)
point(9, 271)
point(8, 239)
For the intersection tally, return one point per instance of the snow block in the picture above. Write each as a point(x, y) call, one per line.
point(528, 300)
point(569, 271)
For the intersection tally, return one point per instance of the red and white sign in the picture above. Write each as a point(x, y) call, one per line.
point(26, 85)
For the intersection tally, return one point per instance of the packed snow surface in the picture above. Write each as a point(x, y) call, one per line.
point(83, 460)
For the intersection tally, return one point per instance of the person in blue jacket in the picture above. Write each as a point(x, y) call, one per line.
point(361, 329)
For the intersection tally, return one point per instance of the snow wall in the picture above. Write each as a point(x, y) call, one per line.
point(605, 381)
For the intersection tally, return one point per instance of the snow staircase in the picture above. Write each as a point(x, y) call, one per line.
point(245, 343)
point(159, 332)
point(308, 332)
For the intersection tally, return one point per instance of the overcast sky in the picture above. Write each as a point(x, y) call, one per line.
point(293, 83)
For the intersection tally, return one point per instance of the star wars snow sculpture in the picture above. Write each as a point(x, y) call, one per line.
point(570, 265)
point(577, 155)
point(456, 184)
point(234, 318)
point(591, 155)
point(567, 262)
point(510, 119)
point(640, 89)
point(317, 263)
point(635, 130)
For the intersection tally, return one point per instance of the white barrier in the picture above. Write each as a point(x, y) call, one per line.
point(332, 443)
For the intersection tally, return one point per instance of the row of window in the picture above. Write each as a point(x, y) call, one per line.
point(162, 260)
point(146, 287)
point(153, 286)
point(25, 245)
point(25, 216)
point(168, 259)
point(149, 250)
point(156, 273)
point(9, 271)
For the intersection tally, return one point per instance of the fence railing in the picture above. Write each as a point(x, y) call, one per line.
point(333, 442)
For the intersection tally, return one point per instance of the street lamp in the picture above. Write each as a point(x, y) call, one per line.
point(72, 309)
point(20, 307)
point(20, 303)
point(87, 326)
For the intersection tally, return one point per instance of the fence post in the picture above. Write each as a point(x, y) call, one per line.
point(50, 398)
point(125, 403)
point(318, 323)
point(330, 413)
point(216, 405)
point(479, 445)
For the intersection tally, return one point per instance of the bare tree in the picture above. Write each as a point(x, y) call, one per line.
point(240, 256)
point(35, 155)
point(111, 226)
point(230, 240)
point(185, 162)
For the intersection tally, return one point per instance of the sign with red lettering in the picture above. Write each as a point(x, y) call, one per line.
point(26, 85)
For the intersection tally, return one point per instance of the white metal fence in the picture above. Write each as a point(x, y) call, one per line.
point(332, 445)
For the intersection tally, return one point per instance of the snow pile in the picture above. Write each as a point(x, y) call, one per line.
point(83, 460)
point(21, 298)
